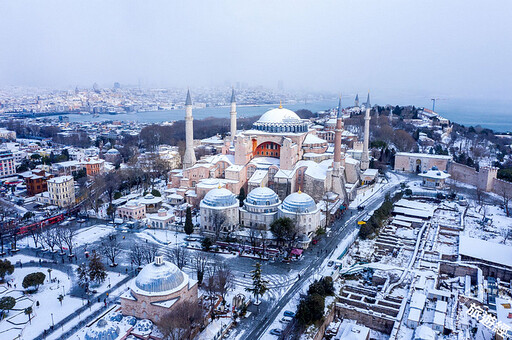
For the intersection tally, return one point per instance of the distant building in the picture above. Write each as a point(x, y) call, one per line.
point(7, 134)
point(419, 162)
point(161, 220)
point(7, 166)
point(434, 178)
point(62, 191)
point(132, 210)
point(93, 166)
point(36, 182)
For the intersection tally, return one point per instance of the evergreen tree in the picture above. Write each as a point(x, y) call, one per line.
point(33, 280)
point(259, 285)
point(5, 268)
point(241, 196)
point(7, 303)
point(189, 226)
point(97, 272)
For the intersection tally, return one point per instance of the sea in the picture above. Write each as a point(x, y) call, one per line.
point(495, 115)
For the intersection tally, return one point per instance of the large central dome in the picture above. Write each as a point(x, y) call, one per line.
point(280, 120)
point(279, 115)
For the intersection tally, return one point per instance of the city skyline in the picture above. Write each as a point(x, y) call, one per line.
point(393, 48)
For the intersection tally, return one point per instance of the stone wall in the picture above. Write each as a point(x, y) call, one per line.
point(372, 321)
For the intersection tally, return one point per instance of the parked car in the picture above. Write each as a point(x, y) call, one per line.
point(286, 319)
point(360, 207)
point(276, 331)
point(330, 263)
point(289, 313)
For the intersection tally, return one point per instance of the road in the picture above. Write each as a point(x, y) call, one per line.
point(340, 229)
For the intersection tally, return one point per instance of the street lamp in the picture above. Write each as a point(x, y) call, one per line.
point(53, 325)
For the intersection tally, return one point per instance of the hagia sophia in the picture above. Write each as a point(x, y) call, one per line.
point(286, 165)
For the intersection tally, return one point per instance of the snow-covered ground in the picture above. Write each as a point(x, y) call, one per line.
point(17, 323)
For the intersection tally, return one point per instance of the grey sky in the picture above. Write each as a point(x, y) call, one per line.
point(461, 48)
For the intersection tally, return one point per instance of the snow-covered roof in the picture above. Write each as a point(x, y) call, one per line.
point(423, 155)
point(418, 300)
point(413, 212)
point(414, 314)
point(352, 331)
point(484, 250)
point(313, 139)
point(435, 174)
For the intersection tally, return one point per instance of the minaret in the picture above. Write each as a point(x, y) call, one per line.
point(356, 102)
point(365, 157)
point(189, 159)
point(368, 104)
point(338, 182)
point(232, 114)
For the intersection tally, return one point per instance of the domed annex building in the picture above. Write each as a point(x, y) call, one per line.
point(302, 209)
point(219, 212)
point(260, 208)
point(281, 152)
point(158, 288)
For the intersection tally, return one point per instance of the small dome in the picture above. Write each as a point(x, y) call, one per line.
point(299, 202)
point(220, 197)
point(103, 330)
point(113, 152)
point(262, 196)
point(156, 278)
point(279, 115)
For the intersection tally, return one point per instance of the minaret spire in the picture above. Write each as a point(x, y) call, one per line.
point(189, 159)
point(365, 157)
point(338, 181)
point(356, 101)
point(232, 115)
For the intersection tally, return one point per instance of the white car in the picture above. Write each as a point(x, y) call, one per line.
point(285, 319)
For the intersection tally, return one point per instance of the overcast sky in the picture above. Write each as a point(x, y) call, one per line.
point(457, 48)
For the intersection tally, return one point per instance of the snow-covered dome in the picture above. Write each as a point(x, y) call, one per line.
point(102, 330)
point(280, 120)
point(113, 152)
point(279, 115)
point(220, 197)
point(299, 202)
point(160, 277)
point(262, 196)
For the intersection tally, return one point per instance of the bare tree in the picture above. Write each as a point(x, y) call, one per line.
point(479, 197)
point(137, 255)
point(68, 235)
point(218, 220)
point(506, 199)
point(36, 234)
point(59, 238)
point(111, 249)
point(181, 321)
point(150, 252)
point(49, 237)
point(200, 262)
point(178, 256)
point(225, 279)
